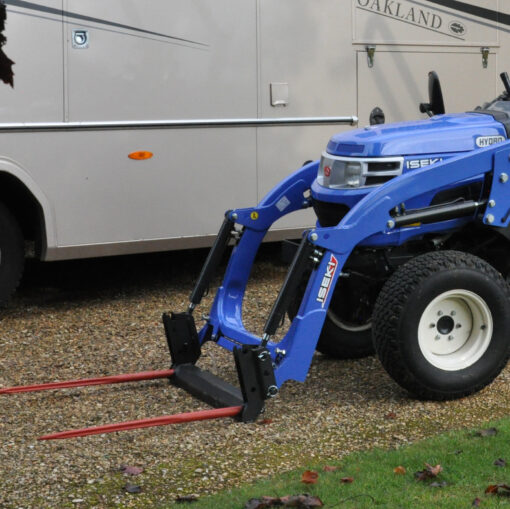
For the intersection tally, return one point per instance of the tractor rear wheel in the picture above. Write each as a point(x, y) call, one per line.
point(347, 330)
point(441, 325)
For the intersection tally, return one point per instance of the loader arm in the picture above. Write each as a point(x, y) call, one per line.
point(369, 219)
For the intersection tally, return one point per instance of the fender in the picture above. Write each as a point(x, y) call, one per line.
point(16, 170)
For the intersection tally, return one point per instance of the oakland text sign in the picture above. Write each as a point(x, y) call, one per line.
point(413, 15)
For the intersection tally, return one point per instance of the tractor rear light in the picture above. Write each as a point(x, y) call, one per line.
point(337, 172)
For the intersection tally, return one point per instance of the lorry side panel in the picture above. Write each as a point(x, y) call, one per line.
point(176, 61)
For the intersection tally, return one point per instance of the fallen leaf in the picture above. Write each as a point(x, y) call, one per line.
point(264, 422)
point(132, 488)
point(390, 415)
point(329, 468)
point(347, 480)
point(421, 475)
point(490, 432)
point(183, 499)
point(438, 484)
point(310, 477)
point(429, 472)
point(257, 503)
point(399, 470)
point(476, 502)
point(305, 501)
point(498, 489)
point(302, 501)
point(500, 462)
point(434, 471)
point(129, 470)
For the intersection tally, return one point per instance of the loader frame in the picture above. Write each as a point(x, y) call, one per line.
point(263, 365)
point(370, 222)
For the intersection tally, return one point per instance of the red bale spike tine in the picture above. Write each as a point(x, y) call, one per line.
point(103, 380)
point(201, 415)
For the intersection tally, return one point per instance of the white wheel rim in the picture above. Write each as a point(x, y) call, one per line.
point(347, 326)
point(455, 330)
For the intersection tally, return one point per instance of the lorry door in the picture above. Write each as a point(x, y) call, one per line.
point(304, 49)
point(34, 43)
point(398, 82)
point(163, 60)
point(398, 43)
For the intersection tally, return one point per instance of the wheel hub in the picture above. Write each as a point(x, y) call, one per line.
point(455, 330)
point(445, 325)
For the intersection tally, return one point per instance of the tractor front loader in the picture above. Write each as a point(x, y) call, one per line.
point(425, 226)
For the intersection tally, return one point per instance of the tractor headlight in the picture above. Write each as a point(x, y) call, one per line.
point(352, 174)
point(338, 173)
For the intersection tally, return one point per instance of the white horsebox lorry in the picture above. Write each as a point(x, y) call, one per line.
point(128, 126)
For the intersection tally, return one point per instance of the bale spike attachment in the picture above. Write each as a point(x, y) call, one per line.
point(201, 415)
point(84, 382)
point(253, 362)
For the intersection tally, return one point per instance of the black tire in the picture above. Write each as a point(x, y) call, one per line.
point(12, 254)
point(442, 360)
point(342, 337)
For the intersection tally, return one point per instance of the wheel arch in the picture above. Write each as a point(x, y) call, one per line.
point(28, 204)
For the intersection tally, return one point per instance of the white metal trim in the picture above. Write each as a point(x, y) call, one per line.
point(174, 124)
point(54, 253)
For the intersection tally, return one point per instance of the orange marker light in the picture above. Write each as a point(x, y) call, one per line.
point(141, 155)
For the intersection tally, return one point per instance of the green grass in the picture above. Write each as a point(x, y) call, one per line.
point(467, 461)
point(468, 468)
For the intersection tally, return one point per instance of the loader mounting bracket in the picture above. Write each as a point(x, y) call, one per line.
point(253, 363)
point(182, 338)
point(256, 377)
point(205, 386)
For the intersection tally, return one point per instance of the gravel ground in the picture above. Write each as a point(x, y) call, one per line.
point(98, 317)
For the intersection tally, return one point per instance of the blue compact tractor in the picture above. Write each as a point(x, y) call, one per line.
point(409, 258)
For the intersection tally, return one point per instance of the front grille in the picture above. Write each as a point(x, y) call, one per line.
point(329, 214)
point(377, 181)
point(379, 166)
